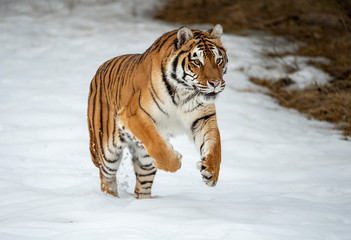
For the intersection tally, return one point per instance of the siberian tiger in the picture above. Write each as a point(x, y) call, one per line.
point(139, 101)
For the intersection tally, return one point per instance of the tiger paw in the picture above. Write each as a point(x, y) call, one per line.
point(176, 163)
point(112, 190)
point(172, 165)
point(209, 174)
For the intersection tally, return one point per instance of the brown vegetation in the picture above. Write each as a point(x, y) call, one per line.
point(325, 27)
point(331, 102)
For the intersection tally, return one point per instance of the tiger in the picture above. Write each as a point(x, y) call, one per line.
point(139, 101)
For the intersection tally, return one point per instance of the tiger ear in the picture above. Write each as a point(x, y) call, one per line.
point(216, 32)
point(184, 35)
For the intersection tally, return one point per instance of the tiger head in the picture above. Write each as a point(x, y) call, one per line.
point(199, 62)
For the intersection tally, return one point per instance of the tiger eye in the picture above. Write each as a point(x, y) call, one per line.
point(197, 62)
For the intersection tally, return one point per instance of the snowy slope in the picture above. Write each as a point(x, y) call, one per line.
point(282, 176)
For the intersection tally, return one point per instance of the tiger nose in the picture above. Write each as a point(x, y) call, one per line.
point(214, 83)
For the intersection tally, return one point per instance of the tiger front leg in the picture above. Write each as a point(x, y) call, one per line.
point(142, 127)
point(207, 139)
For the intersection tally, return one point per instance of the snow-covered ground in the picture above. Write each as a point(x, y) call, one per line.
point(282, 176)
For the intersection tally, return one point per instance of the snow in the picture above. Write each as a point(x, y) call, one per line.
point(257, 64)
point(282, 176)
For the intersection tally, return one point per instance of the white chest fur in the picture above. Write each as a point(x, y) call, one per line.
point(179, 116)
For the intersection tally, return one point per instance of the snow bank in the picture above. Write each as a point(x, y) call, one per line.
point(282, 176)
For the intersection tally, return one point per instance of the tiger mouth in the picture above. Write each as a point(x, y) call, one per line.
point(211, 94)
point(207, 94)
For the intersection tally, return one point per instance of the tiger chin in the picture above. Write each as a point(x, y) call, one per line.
point(138, 101)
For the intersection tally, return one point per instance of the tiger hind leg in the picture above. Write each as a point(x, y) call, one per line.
point(107, 159)
point(108, 170)
point(145, 171)
point(105, 146)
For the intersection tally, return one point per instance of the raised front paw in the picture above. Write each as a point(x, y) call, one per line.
point(170, 165)
point(175, 163)
point(209, 173)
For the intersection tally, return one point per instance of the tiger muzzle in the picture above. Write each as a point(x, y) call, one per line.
point(215, 85)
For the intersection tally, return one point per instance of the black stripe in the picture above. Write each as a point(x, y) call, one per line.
point(107, 132)
point(170, 90)
point(175, 43)
point(121, 79)
point(148, 114)
point(118, 92)
point(93, 115)
point(184, 73)
point(118, 158)
point(202, 145)
point(101, 119)
point(110, 169)
point(199, 105)
point(102, 168)
point(134, 64)
point(189, 57)
point(153, 98)
point(126, 68)
point(110, 75)
point(119, 61)
point(146, 174)
point(191, 96)
point(142, 56)
point(153, 89)
point(144, 193)
point(106, 68)
point(113, 160)
point(107, 129)
point(183, 64)
point(220, 48)
point(205, 134)
point(98, 129)
point(109, 177)
point(174, 76)
point(175, 62)
point(133, 89)
point(204, 118)
point(114, 133)
point(161, 45)
point(92, 153)
point(94, 98)
point(205, 177)
point(147, 167)
point(145, 182)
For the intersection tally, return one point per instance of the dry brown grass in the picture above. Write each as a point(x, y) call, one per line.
point(323, 24)
point(331, 102)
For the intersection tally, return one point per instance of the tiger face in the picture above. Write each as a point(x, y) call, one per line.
point(206, 65)
point(200, 62)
